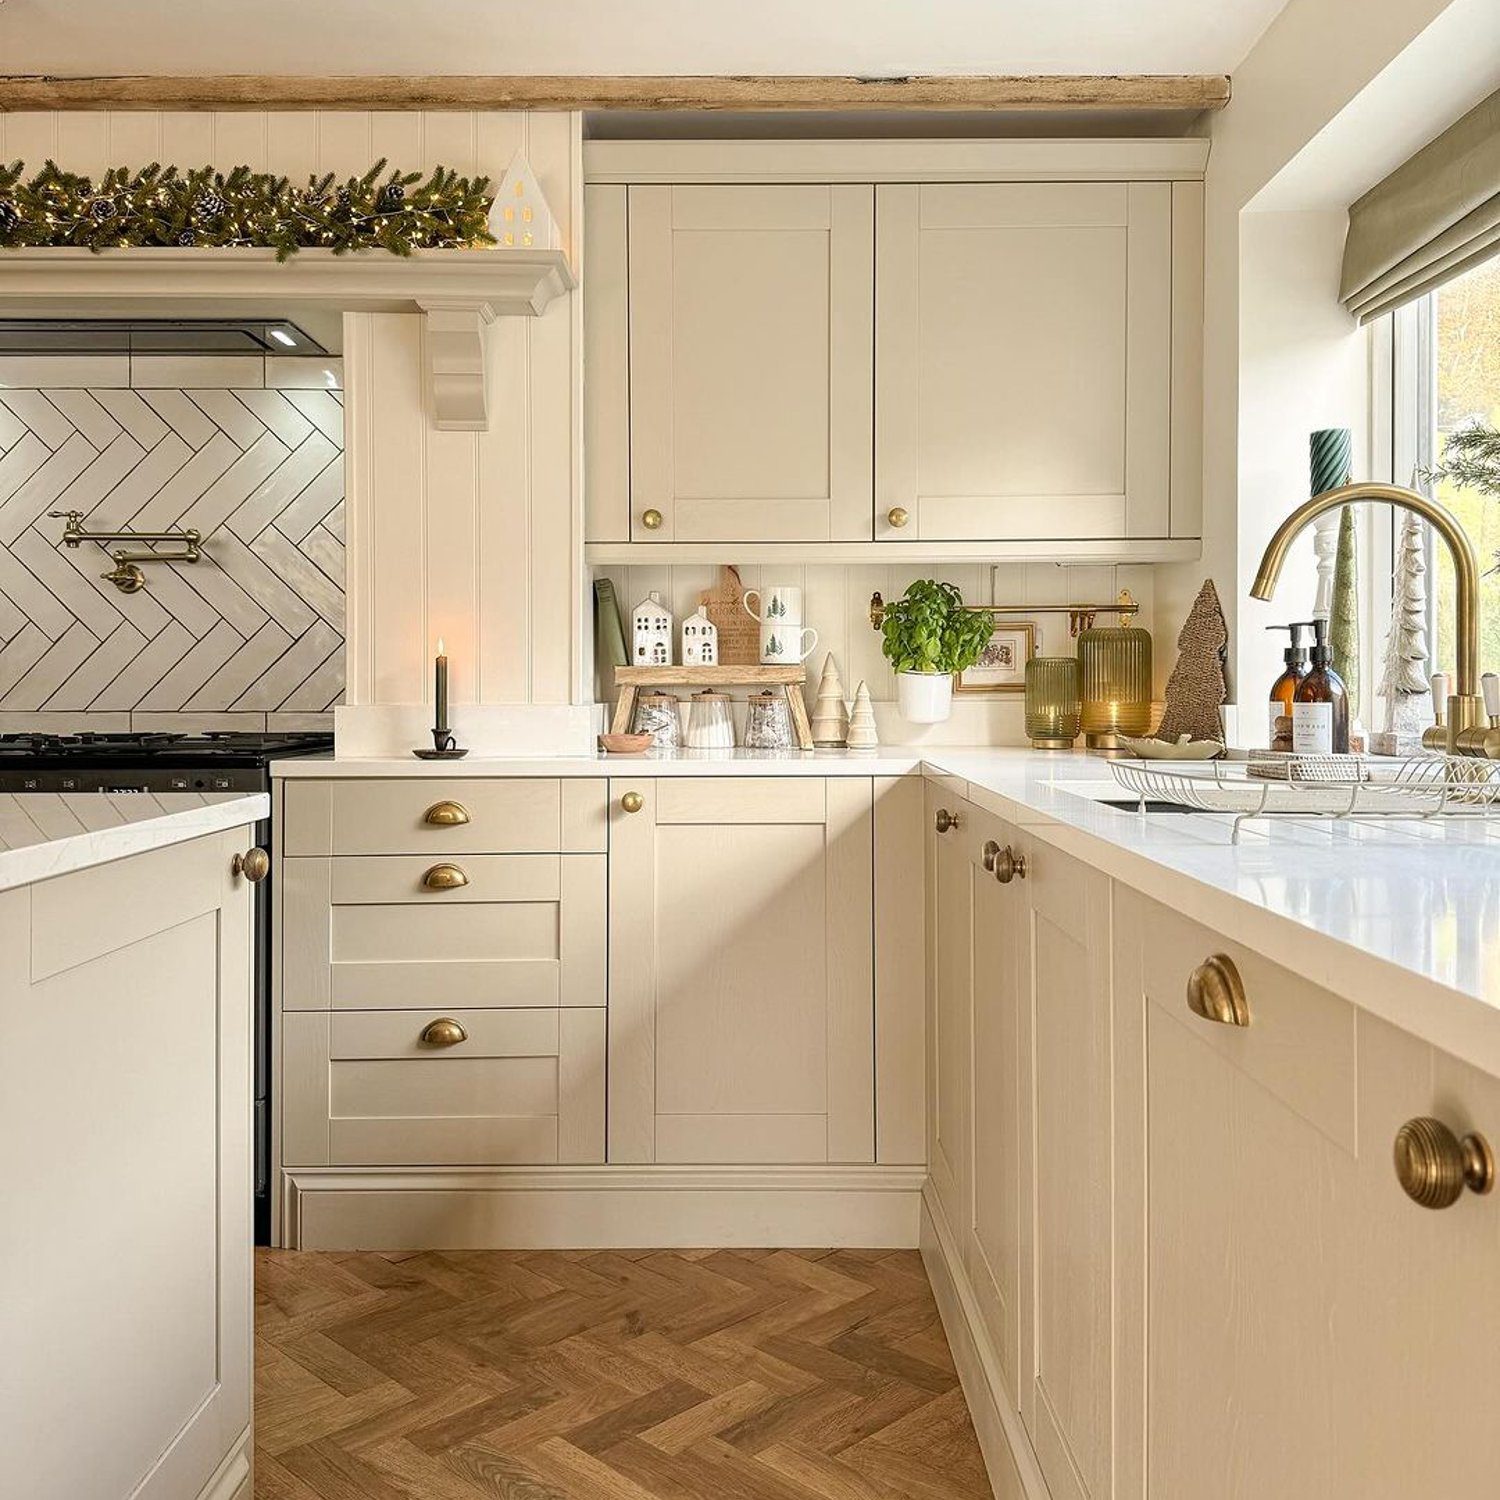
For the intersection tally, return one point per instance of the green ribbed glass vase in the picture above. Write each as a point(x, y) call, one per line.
point(1114, 667)
point(1052, 719)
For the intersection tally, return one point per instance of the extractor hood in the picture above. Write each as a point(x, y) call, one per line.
point(155, 336)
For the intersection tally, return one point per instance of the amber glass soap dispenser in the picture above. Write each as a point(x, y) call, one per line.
point(1284, 689)
point(1320, 706)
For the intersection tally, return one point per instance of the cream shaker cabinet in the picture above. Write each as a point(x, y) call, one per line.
point(1024, 360)
point(741, 987)
point(1312, 1333)
point(125, 1082)
point(730, 359)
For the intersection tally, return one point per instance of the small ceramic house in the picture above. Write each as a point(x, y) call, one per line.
point(700, 640)
point(520, 218)
point(651, 623)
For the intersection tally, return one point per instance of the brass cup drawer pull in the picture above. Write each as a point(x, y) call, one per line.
point(1434, 1166)
point(1009, 866)
point(444, 1032)
point(444, 878)
point(989, 854)
point(253, 864)
point(945, 820)
point(1216, 992)
point(446, 815)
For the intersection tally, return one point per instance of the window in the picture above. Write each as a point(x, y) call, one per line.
point(1445, 373)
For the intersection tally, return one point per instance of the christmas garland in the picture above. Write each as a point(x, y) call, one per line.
point(164, 206)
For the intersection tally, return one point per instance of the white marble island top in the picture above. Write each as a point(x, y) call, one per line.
point(43, 834)
point(1400, 916)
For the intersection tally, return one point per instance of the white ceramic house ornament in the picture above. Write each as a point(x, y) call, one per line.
point(700, 640)
point(651, 623)
point(519, 218)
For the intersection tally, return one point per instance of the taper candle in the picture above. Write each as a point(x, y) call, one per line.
point(440, 696)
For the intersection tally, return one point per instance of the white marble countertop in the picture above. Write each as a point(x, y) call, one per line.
point(43, 834)
point(1400, 916)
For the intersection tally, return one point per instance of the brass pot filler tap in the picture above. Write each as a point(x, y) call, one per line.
point(1465, 709)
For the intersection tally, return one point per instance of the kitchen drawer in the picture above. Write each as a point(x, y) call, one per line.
point(500, 815)
point(1300, 1043)
point(740, 799)
point(368, 933)
point(362, 1088)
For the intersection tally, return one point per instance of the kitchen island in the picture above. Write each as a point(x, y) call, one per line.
point(1194, 1134)
point(125, 1074)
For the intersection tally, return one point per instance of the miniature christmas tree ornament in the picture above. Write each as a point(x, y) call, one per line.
point(830, 723)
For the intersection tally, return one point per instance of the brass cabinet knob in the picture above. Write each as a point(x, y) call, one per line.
point(1434, 1166)
point(632, 802)
point(1216, 992)
point(651, 520)
point(444, 1032)
point(989, 854)
point(253, 864)
point(945, 820)
point(446, 814)
point(1009, 866)
point(898, 515)
point(444, 878)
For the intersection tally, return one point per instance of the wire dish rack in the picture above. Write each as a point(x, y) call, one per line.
point(1319, 786)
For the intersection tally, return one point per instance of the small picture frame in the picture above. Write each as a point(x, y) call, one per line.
point(1002, 668)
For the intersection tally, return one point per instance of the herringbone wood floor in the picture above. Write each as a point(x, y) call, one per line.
point(606, 1375)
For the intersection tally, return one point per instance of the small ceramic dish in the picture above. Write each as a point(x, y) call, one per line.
point(624, 744)
point(1183, 749)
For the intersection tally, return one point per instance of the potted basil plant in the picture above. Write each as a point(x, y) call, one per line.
point(927, 636)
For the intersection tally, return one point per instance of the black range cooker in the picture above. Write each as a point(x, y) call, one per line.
point(226, 762)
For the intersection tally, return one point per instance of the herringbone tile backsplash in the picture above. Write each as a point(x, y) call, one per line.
point(249, 452)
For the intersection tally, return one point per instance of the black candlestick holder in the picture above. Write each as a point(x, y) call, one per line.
point(443, 747)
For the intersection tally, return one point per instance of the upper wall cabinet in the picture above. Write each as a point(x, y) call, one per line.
point(941, 348)
point(748, 317)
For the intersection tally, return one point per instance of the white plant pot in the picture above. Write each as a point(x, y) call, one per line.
point(924, 697)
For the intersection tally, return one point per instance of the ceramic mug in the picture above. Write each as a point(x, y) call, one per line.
point(781, 645)
point(781, 604)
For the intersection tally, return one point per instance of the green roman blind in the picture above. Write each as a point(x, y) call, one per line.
point(1430, 220)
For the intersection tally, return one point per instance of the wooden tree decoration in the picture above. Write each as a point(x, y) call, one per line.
point(862, 735)
point(1343, 620)
point(1196, 690)
point(830, 723)
point(1403, 666)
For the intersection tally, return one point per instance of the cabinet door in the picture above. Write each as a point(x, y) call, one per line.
point(741, 1013)
point(949, 1017)
point(1000, 969)
point(1023, 360)
point(1067, 1339)
point(751, 341)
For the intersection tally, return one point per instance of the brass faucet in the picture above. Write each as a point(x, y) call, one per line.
point(1465, 709)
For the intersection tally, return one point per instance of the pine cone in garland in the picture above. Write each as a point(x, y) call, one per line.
point(187, 238)
point(101, 210)
point(392, 196)
point(346, 200)
point(210, 205)
point(9, 217)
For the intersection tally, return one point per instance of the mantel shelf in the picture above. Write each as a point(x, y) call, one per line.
point(459, 292)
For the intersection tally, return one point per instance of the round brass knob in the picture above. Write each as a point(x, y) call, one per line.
point(1434, 1166)
point(651, 520)
point(1009, 866)
point(1216, 992)
point(444, 1032)
point(446, 814)
point(253, 864)
point(898, 515)
point(632, 802)
point(444, 878)
point(945, 820)
point(989, 854)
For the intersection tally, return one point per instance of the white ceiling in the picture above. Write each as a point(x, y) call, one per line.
point(629, 36)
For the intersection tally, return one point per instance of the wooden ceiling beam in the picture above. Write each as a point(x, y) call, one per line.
point(1134, 92)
